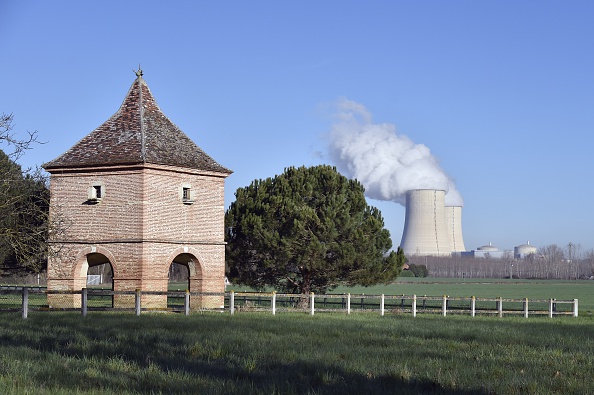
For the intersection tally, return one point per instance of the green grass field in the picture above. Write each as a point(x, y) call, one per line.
point(293, 353)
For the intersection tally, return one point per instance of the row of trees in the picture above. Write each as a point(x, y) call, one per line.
point(550, 262)
point(553, 261)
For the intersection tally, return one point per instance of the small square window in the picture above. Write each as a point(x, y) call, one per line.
point(96, 192)
point(187, 194)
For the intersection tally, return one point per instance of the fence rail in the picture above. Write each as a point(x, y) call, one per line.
point(25, 299)
point(412, 304)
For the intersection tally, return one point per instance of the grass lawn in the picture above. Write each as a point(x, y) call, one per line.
point(292, 353)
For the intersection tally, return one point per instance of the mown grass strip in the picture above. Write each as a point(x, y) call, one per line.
point(214, 353)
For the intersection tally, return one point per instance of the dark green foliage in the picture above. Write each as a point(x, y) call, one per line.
point(307, 230)
point(419, 270)
point(406, 273)
point(24, 206)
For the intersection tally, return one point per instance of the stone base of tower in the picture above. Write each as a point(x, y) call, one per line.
point(66, 293)
point(212, 293)
point(61, 294)
point(130, 265)
point(154, 293)
point(128, 287)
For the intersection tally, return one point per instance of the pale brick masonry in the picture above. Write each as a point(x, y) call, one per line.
point(139, 194)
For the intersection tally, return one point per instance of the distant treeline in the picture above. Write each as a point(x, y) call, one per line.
point(550, 262)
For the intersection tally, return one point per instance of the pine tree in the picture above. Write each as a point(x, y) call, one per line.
point(307, 230)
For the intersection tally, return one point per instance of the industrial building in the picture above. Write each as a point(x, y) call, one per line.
point(524, 250)
point(486, 251)
point(425, 224)
point(434, 229)
point(454, 227)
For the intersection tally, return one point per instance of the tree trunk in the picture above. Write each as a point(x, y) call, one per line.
point(303, 302)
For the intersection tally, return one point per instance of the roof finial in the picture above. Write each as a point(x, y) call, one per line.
point(138, 72)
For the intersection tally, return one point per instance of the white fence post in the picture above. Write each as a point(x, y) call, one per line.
point(232, 302)
point(273, 302)
point(25, 302)
point(83, 301)
point(552, 310)
point(187, 302)
point(348, 303)
point(137, 307)
point(500, 307)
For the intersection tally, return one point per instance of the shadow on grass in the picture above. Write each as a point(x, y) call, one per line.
point(202, 377)
point(124, 354)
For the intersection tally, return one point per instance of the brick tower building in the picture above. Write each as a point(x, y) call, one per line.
point(138, 194)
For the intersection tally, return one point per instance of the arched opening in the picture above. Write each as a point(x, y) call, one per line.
point(99, 276)
point(179, 277)
point(180, 271)
point(100, 272)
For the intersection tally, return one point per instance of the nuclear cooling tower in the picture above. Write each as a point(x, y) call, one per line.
point(425, 227)
point(454, 226)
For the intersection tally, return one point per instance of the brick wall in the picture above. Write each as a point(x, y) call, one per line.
point(141, 225)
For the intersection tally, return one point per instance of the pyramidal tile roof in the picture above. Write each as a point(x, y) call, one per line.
point(138, 133)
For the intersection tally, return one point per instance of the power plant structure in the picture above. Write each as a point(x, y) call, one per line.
point(524, 250)
point(454, 226)
point(425, 224)
point(433, 229)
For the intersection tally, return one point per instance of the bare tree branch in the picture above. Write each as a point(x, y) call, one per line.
point(8, 138)
point(24, 205)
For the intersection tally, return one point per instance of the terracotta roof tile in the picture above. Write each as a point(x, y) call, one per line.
point(137, 133)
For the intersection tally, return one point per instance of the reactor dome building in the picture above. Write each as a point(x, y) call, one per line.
point(524, 250)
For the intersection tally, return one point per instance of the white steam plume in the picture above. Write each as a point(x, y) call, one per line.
point(387, 164)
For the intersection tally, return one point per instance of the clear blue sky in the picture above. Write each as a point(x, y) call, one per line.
point(500, 92)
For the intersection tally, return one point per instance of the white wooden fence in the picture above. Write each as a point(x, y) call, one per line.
point(416, 304)
point(235, 302)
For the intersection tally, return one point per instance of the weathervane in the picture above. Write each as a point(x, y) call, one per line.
point(138, 72)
